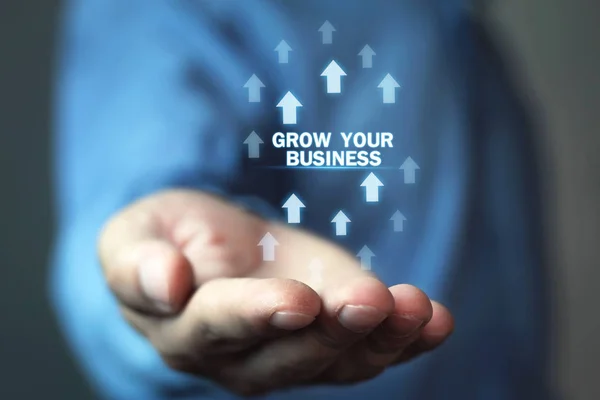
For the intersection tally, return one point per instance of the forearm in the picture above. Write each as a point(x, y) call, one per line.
point(127, 126)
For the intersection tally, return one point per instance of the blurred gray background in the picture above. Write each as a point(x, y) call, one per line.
point(554, 46)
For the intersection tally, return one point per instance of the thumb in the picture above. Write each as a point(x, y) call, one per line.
point(145, 271)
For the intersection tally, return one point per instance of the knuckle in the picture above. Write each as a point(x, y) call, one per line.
point(211, 340)
point(211, 245)
point(328, 339)
point(389, 344)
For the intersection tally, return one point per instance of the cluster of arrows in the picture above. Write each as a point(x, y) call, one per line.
point(333, 74)
point(293, 206)
point(289, 105)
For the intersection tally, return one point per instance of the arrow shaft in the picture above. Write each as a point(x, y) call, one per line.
point(409, 175)
point(367, 61)
point(341, 229)
point(366, 262)
point(253, 150)
point(254, 94)
point(327, 37)
point(398, 225)
point(389, 94)
point(289, 115)
point(293, 215)
point(268, 252)
point(316, 276)
point(334, 84)
point(372, 192)
point(284, 57)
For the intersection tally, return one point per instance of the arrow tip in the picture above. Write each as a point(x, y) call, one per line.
point(371, 180)
point(268, 240)
point(409, 163)
point(254, 81)
point(292, 202)
point(253, 138)
point(340, 217)
point(367, 50)
point(365, 252)
point(333, 69)
point(388, 81)
point(289, 100)
point(398, 215)
point(327, 27)
point(283, 46)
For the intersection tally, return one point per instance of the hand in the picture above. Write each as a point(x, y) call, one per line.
point(190, 277)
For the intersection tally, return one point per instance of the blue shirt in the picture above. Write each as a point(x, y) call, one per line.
point(150, 96)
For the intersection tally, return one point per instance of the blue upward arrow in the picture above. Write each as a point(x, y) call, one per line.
point(253, 141)
point(365, 254)
point(284, 50)
point(254, 85)
point(367, 54)
point(398, 219)
point(409, 166)
point(327, 30)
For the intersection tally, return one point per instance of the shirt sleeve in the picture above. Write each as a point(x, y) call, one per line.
point(147, 98)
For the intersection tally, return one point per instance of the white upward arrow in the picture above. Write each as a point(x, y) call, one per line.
point(293, 205)
point(289, 105)
point(372, 184)
point(284, 50)
point(268, 244)
point(334, 74)
point(389, 85)
point(340, 221)
point(316, 272)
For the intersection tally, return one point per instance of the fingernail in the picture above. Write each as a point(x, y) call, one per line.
point(406, 324)
point(290, 320)
point(360, 319)
point(153, 280)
